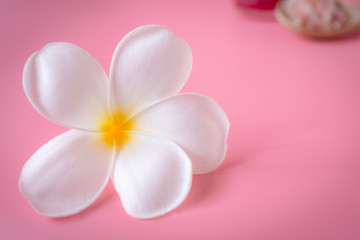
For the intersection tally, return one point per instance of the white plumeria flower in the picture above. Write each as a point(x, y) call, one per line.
point(132, 128)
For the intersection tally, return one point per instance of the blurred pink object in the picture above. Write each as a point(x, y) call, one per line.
point(257, 4)
point(317, 15)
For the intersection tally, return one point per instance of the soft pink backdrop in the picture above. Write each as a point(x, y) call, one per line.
point(293, 165)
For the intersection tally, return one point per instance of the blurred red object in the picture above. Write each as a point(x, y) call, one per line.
point(257, 4)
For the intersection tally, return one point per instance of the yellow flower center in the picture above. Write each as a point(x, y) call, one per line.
point(114, 129)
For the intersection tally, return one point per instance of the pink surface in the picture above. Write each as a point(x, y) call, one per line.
point(293, 165)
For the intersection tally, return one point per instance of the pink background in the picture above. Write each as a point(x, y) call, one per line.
point(293, 165)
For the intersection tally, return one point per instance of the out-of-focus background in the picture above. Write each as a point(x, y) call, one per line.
point(293, 165)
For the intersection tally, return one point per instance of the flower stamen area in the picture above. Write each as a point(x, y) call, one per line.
point(114, 129)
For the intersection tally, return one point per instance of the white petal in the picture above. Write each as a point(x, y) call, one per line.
point(149, 63)
point(152, 175)
point(67, 85)
point(193, 121)
point(67, 174)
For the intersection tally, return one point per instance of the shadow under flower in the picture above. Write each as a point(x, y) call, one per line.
point(208, 187)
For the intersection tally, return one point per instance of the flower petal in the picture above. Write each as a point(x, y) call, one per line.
point(67, 85)
point(152, 175)
point(67, 174)
point(194, 122)
point(149, 63)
